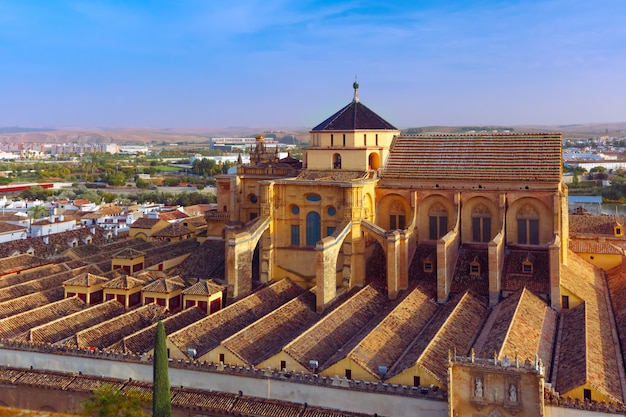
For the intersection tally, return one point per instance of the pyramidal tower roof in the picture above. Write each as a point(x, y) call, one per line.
point(354, 116)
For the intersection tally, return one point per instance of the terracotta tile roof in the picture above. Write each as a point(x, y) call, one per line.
point(10, 228)
point(58, 243)
point(164, 285)
point(197, 221)
point(62, 328)
point(44, 379)
point(267, 336)
point(207, 261)
point(336, 329)
point(585, 333)
point(616, 278)
point(522, 325)
point(427, 280)
point(464, 280)
point(21, 262)
point(30, 301)
point(128, 253)
point(476, 157)
point(8, 375)
point(453, 326)
point(197, 210)
point(86, 383)
point(262, 407)
point(172, 215)
point(32, 274)
point(513, 277)
point(383, 346)
point(594, 246)
point(173, 230)
point(207, 333)
point(42, 284)
point(107, 333)
point(354, 116)
point(13, 326)
point(204, 288)
point(332, 175)
point(207, 400)
point(85, 280)
point(144, 223)
point(125, 282)
point(143, 340)
point(580, 224)
point(169, 251)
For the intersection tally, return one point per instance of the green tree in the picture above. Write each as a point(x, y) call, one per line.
point(38, 211)
point(108, 401)
point(161, 398)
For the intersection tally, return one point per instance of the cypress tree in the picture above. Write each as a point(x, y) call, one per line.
point(161, 399)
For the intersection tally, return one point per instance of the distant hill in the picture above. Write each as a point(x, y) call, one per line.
point(141, 136)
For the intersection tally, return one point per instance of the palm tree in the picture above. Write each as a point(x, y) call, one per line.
point(37, 212)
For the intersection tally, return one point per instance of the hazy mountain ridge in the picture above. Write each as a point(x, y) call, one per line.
point(200, 135)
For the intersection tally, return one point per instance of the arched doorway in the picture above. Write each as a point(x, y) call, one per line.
point(373, 161)
point(336, 161)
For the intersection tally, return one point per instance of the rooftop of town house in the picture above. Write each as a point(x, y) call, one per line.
point(208, 333)
point(107, 333)
point(142, 341)
point(532, 157)
point(268, 335)
point(521, 326)
point(11, 228)
point(335, 330)
point(382, 346)
point(145, 223)
point(173, 230)
point(128, 253)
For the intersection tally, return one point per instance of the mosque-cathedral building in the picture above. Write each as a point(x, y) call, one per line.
point(445, 264)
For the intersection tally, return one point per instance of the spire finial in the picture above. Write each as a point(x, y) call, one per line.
point(355, 85)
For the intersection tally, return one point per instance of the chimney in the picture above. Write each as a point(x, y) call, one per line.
point(46, 239)
point(92, 230)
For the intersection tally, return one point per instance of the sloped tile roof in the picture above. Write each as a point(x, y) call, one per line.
point(204, 288)
point(144, 223)
point(172, 215)
point(143, 340)
point(30, 301)
point(21, 262)
point(85, 280)
point(382, 346)
point(595, 246)
point(616, 278)
point(62, 328)
point(13, 326)
point(206, 261)
point(585, 333)
point(128, 253)
point(164, 285)
point(263, 407)
point(107, 333)
point(207, 333)
point(125, 282)
point(493, 157)
point(522, 325)
point(30, 275)
point(336, 329)
point(514, 279)
point(10, 228)
point(453, 326)
point(269, 334)
point(581, 224)
point(173, 230)
point(354, 116)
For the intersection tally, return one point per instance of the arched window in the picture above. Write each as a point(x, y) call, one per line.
point(437, 221)
point(313, 228)
point(337, 161)
point(481, 224)
point(527, 226)
point(397, 216)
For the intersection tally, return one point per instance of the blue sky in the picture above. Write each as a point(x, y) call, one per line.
point(273, 63)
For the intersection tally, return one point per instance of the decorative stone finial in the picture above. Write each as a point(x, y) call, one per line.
point(355, 85)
